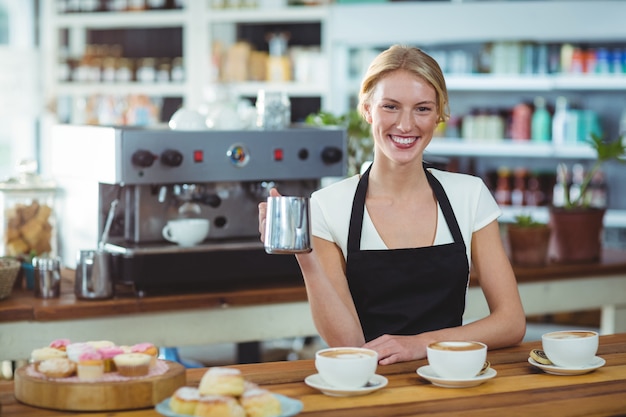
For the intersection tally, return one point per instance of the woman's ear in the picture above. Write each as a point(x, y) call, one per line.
point(367, 113)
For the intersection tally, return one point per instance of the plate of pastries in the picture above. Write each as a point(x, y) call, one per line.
point(224, 392)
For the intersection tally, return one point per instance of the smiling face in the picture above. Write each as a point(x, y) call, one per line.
point(402, 110)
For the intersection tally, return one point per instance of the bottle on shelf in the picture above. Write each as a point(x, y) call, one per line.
point(578, 175)
point(560, 186)
point(503, 187)
point(541, 123)
point(598, 191)
point(518, 194)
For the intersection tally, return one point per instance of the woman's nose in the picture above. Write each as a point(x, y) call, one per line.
point(405, 121)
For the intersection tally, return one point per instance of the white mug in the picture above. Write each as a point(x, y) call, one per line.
point(346, 367)
point(456, 359)
point(570, 348)
point(186, 232)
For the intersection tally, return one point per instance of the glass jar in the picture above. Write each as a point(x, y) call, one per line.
point(27, 220)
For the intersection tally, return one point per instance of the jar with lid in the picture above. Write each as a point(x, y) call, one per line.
point(27, 225)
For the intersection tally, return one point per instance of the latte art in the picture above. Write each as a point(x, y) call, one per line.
point(456, 346)
point(570, 335)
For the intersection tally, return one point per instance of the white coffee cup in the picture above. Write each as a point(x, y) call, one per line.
point(456, 359)
point(570, 348)
point(346, 367)
point(186, 232)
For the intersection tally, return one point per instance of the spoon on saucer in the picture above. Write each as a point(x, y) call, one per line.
point(484, 369)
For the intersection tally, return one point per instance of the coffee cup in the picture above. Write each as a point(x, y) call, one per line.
point(456, 359)
point(570, 348)
point(346, 367)
point(186, 232)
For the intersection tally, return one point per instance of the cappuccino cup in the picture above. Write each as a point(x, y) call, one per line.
point(346, 367)
point(456, 359)
point(186, 232)
point(570, 348)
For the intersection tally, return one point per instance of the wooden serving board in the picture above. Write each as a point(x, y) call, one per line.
point(94, 396)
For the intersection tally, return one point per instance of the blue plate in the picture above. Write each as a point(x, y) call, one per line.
point(289, 406)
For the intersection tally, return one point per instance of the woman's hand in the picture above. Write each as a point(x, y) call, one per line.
point(392, 349)
point(263, 213)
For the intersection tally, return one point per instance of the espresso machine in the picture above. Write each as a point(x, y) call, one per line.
point(137, 179)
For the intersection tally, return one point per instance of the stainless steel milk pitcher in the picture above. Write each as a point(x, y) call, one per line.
point(287, 227)
point(93, 275)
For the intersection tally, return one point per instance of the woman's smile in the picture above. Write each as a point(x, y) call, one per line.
point(403, 140)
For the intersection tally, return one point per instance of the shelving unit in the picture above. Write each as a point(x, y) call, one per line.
point(367, 27)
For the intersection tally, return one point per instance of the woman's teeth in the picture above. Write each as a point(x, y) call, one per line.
point(402, 140)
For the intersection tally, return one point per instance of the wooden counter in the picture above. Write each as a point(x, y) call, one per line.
point(517, 389)
point(247, 314)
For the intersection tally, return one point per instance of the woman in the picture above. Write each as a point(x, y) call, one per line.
point(392, 248)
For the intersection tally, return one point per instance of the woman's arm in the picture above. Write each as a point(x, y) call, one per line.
point(506, 323)
point(333, 310)
point(327, 289)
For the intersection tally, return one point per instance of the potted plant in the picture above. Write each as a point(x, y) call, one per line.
point(528, 241)
point(360, 142)
point(577, 225)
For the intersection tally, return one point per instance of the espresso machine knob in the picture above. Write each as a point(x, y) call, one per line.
point(143, 158)
point(171, 158)
point(331, 155)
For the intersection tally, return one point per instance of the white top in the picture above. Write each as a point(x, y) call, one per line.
point(471, 200)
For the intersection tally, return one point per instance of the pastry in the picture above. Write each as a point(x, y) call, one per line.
point(185, 400)
point(41, 354)
point(222, 381)
point(74, 350)
point(60, 344)
point(90, 366)
point(56, 367)
point(148, 349)
point(539, 356)
point(219, 406)
point(97, 344)
point(132, 364)
point(108, 353)
point(260, 403)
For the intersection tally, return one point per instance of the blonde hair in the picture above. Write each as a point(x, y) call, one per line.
point(413, 60)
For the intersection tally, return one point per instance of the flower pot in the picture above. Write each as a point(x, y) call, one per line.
point(576, 234)
point(529, 245)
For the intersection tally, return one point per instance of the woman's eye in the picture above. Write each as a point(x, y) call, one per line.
point(422, 109)
point(389, 106)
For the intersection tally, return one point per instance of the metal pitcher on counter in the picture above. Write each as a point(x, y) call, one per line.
point(93, 275)
point(287, 228)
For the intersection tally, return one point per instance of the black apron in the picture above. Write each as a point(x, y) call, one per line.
point(407, 291)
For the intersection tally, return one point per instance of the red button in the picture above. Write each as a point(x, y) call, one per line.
point(278, 154)
point(198, 156)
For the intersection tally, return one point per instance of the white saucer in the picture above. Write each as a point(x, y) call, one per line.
point(315, 381)
point(597, 362)
point(427, 372)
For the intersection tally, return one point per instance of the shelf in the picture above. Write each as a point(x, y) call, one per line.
point(507, 148)
point(293, 14)
point(123, 20)
point(292, 89)
point(612, 218)
point(122, 89)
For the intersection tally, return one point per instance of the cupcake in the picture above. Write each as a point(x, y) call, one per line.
point(41, 354)
point(57, 367)
point(90, 366)
point(148, 349)
point(132, 364)
point(60, 344)
point(74, 350)
point(108, 353)
point(97, 344)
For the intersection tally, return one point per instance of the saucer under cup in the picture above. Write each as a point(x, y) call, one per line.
point(570, 348)
point(346, 368)
point(456, 359)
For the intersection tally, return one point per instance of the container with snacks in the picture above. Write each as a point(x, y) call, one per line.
point(27, 219)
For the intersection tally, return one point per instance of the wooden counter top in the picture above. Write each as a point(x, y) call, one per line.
point(517, 389)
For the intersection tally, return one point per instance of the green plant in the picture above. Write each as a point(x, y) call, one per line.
point(606, 151)
point(360, 143)
point(527, 220)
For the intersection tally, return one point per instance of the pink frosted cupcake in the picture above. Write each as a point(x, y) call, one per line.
point(108, 353)
point(148, 349)
point(60, 344)
point(90, 366)
point(74, 350)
